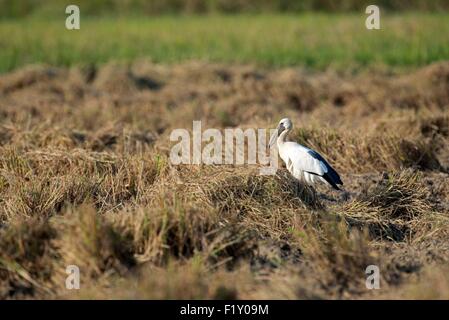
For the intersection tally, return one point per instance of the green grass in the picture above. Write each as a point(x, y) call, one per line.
point(312, 40)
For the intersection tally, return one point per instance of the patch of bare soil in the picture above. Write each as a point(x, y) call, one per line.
point(85, 179)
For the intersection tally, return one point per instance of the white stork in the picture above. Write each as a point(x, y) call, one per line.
point(303, 163)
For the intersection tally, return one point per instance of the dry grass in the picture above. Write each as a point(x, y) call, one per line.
point(85, 179)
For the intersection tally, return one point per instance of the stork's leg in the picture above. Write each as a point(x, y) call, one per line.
point(313, 193)
point(298, 188)
point(304, 191)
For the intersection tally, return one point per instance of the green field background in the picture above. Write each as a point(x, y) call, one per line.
point(316, 34)
point(312, 40)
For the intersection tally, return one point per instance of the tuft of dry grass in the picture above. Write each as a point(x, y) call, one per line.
point(338, 258)
point(26, 259)
point(92, 244)
point(395, 208)
point(399, 196)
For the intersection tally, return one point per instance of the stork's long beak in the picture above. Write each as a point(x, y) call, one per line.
point(276, 134)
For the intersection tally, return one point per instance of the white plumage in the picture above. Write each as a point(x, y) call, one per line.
point(303, 163)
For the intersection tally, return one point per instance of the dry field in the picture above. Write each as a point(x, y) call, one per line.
point(85, 179)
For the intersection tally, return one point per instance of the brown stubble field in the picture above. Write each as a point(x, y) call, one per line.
point(85, 179)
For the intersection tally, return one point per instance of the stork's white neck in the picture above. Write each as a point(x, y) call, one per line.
point(282, 138)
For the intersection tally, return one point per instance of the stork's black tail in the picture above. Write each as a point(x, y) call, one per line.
point(331, 181)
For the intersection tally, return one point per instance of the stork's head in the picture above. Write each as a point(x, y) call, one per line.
point(284, 125)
